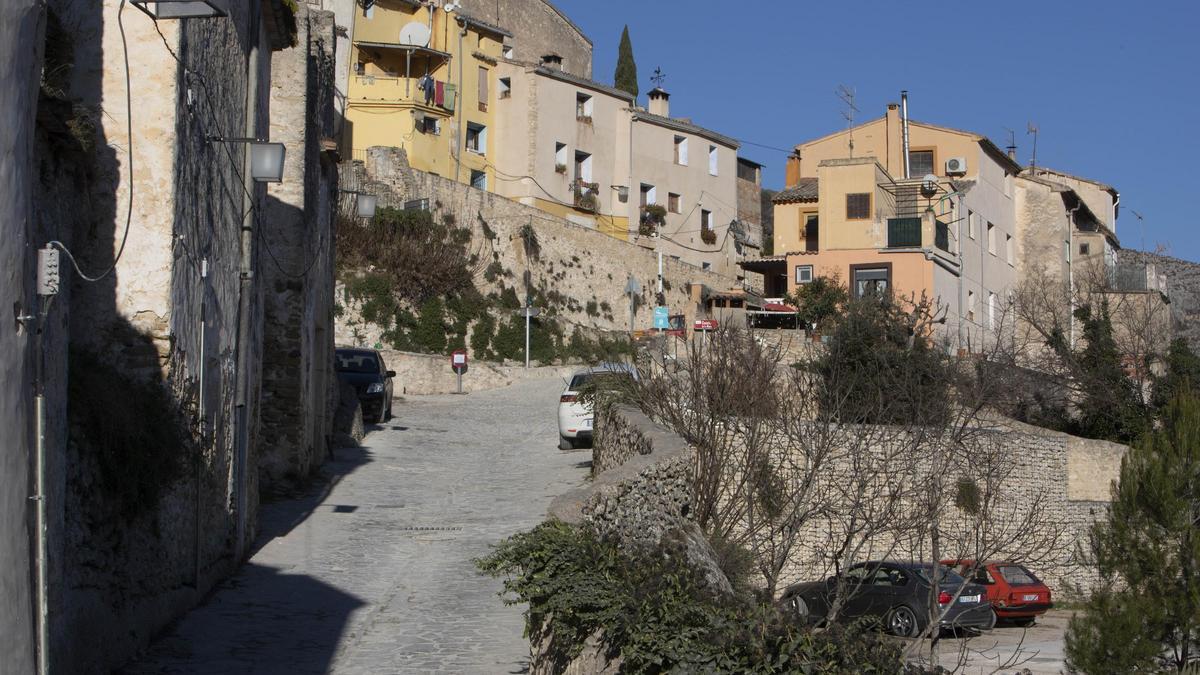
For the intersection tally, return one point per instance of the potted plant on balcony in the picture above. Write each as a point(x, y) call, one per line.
point(653, 217)
point(560, 168)
point(708, 235)
point(585, 195)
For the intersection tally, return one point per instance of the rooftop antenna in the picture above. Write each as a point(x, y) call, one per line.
point(846, 94)
point(1012, 144)
point(658, 78)
point(1033, 129)
point(1141, 227)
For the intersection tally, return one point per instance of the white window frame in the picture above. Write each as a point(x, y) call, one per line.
point(970, 313)
point(560, 155)
point(991, 310)
point(504, 87)
point(651, 194)
point(678, 203)
point(484, 187)
point(681, 150)
point(585, 167)
point(713, 160)
point(991, 238)
point(706, 220)
point(480, 138)
point(1008, 248)
point(804, 274)
point(584, 110)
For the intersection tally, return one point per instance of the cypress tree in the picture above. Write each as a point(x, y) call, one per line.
point(626, 76)
point(1145, 615)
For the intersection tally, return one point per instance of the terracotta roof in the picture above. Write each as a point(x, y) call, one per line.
point(804, 191)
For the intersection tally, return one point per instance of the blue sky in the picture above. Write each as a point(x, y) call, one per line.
point(1113, 86)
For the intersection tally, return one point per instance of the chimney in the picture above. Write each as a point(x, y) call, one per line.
point(552, 61)
point(660, 102)
point(904, 130)
point(1012, 152)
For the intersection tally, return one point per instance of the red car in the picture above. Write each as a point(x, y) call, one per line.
point(1016, 594)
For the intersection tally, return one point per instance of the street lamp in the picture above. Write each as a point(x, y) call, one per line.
point(266, 158)
point(182, 9)
point(364, 204)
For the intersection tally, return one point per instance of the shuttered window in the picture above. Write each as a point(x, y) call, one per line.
point(483, 84)
point(858, 206)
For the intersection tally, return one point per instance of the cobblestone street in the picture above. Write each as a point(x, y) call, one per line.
point(375, 574)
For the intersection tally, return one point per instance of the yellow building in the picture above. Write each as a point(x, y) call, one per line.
point(423, 79)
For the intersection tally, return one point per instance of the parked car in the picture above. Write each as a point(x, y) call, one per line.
point(894, 593)
point(574, 417)
point(372, 381)
point(1016, 594)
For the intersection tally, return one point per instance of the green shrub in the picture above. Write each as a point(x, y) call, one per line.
point(429, 335)
point(481, 338)
point(660, 615)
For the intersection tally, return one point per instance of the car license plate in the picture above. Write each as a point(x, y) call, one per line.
point(1029, 597)
point(968, 598)
point(587, 424)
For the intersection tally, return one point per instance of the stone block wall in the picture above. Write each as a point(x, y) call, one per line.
point(578, 262)
point(1183, 288)
point(538, 28)
point(424, 374)
point(641, 486)
point(299, 383)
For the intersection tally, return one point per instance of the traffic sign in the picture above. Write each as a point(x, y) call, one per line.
point(704, 325)
point(661, 320)
point(530, 312)
point(458, 360)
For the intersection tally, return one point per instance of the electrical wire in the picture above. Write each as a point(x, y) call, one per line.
point(129, 150)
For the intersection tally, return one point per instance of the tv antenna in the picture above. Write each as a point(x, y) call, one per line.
point(658, 78)
point(1012, 144)
point(1141, 227)
point(1033, 129)
point(846, 94)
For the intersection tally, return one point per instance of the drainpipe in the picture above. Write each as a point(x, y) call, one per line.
point(246, 289)
point(462, 31)
point(904, 128)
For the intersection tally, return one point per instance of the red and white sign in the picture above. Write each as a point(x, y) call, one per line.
point(458, 360)
point(704, 325)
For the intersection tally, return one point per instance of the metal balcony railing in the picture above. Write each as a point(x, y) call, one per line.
point(904, 233)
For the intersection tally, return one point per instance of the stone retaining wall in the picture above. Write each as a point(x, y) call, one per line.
point(424, 374)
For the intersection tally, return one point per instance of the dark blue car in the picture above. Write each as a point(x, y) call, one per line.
point(372, 381)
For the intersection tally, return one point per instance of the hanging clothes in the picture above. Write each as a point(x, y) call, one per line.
point(449, 100)
point(426, 86)
point(440, 95)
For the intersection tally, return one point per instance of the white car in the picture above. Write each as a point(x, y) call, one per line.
point(574, 418)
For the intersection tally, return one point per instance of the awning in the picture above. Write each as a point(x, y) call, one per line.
point(414, 49)
point(777, 263)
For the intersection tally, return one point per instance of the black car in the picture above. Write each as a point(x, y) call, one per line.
point(365, 370)
point(895, 593)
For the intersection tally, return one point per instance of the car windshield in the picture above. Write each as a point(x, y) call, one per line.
point(579, 381)
point(945, 574)
point(357, 362)
point(1017, 575)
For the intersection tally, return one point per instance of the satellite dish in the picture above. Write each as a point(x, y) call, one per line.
point(929, 184)
point(415, 34)
point(450, 7)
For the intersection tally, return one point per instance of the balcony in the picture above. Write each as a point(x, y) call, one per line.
point(904, 233)
point(392, 90)
point(586, 195)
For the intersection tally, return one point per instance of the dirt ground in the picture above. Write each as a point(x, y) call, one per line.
point(1010, 649)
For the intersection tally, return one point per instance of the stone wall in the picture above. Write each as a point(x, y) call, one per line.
point(423, 374)
point(538, 28)
point(299, 383)
point(641, 480)
point(1183, 288)
point(581, 264)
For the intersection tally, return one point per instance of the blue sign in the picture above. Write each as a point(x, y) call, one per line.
point(661, 320)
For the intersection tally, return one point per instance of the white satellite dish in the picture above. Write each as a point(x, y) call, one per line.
point(450, 7)
point(415, 34)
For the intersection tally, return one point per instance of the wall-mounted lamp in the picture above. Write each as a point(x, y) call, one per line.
point(622, 192)
point(182, 9)
point(364, 204)
point(266, 158)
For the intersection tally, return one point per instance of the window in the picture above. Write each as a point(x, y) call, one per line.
point(483, 85)
point(673, 202)
point(369, 10)
point(971, 306)
point(429, 125)
point(706, 219)
point(858, 206)
point(477, 138)
point(991, 238)
point(811, 232)
point(991, 310)
point(508, 51)
point(478, 180)
point(649, 195)
point(804, 274)
point(583, 167)
point(920, 163)
point(504, 89)
point(971, 225)
point(583, 107)
point(870, 281)
point(681, 155)
point(706, 266)
point(560, 157)
point(1008, 248)
point(1085, 249)
point(712, 160)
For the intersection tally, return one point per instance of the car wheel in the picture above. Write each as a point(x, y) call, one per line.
point(1024, 622)
point(565, 443)
point(387, 415)
point(902, 622)
point(991, 620)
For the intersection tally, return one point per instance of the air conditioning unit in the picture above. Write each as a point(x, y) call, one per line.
point(956, 165)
